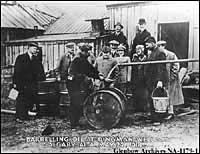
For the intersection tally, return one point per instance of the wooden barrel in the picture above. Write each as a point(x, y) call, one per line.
point(48, 91)
point(48, 96)
point(62, 86)
point(47, 86)
point(104, 108)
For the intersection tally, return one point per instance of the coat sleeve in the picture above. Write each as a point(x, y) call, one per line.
point(162, 70)
point(18, 71)
point(129, 70)
point(58, 67)
point(92, 71)
point(174, 69)
point(116, 71)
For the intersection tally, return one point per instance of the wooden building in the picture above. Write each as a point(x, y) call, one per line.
point(87, 24)
point(176, 22)
point(20, 22)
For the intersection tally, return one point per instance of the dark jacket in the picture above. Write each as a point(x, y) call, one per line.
point(121, 38)
point(138, 78)
point(139, 40)
point(63, 66)
point(156, 72)
point(79, 70)
point(26, 74)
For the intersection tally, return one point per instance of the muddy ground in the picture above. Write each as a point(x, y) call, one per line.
point(181, 133)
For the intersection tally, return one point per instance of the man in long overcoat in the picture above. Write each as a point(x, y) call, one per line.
point(174, 86)
point(140, 36)
point(155, 74)
point(27, 71)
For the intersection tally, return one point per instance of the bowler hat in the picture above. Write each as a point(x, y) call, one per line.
point(141, 21)
point(33, 44)
point(106, 49)
point(119, 24)
point(114, 42)
point(161, 42)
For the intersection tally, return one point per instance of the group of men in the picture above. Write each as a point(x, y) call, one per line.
point(80, 71)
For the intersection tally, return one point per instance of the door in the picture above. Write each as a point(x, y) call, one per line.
point(177, 37)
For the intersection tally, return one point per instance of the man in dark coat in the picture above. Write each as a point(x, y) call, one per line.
point(119, 36)
point(79, 83)
point(27, 71)
point(140, 37)
point(155, 74)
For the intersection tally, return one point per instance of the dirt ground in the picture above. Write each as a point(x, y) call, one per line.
point(178, 135)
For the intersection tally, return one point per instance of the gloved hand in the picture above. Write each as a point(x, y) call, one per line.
point(101, 77)
point(159, 84)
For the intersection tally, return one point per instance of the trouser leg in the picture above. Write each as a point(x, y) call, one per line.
point(170, 109)
point(150, 108)
point(22, 107)
point(75, 108)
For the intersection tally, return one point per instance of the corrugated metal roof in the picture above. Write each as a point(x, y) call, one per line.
point(61, 37)
point(124, 3)
point(42, 18)
point(12, 16)
point(46, 7)
point(74, 20)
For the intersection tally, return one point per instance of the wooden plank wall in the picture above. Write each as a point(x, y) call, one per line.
point(52, 52)
point(159, 12)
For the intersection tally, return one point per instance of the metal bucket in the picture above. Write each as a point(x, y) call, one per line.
point(160, 103)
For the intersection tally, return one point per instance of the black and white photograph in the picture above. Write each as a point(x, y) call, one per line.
point(99, 76)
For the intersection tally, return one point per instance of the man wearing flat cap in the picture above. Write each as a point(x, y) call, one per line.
point(140, 36)
point(105, 63)
point(113, 46)
point(79, 82)
point(124, 71)
point(174, 86)
point(27, 71)
point(155, 74)
point(119, 36)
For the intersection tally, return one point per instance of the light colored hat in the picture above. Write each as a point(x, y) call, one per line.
point(121, 47)
point(139, 47)
point(114, 42)
point(161, 42)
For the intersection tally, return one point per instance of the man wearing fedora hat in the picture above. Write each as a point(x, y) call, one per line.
point(140, 36)
point(27, 71)
point(118, 35)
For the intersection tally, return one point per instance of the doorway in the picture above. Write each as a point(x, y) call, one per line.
point(177, 37)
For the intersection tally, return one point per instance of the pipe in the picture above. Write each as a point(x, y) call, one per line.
point(151, 62)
